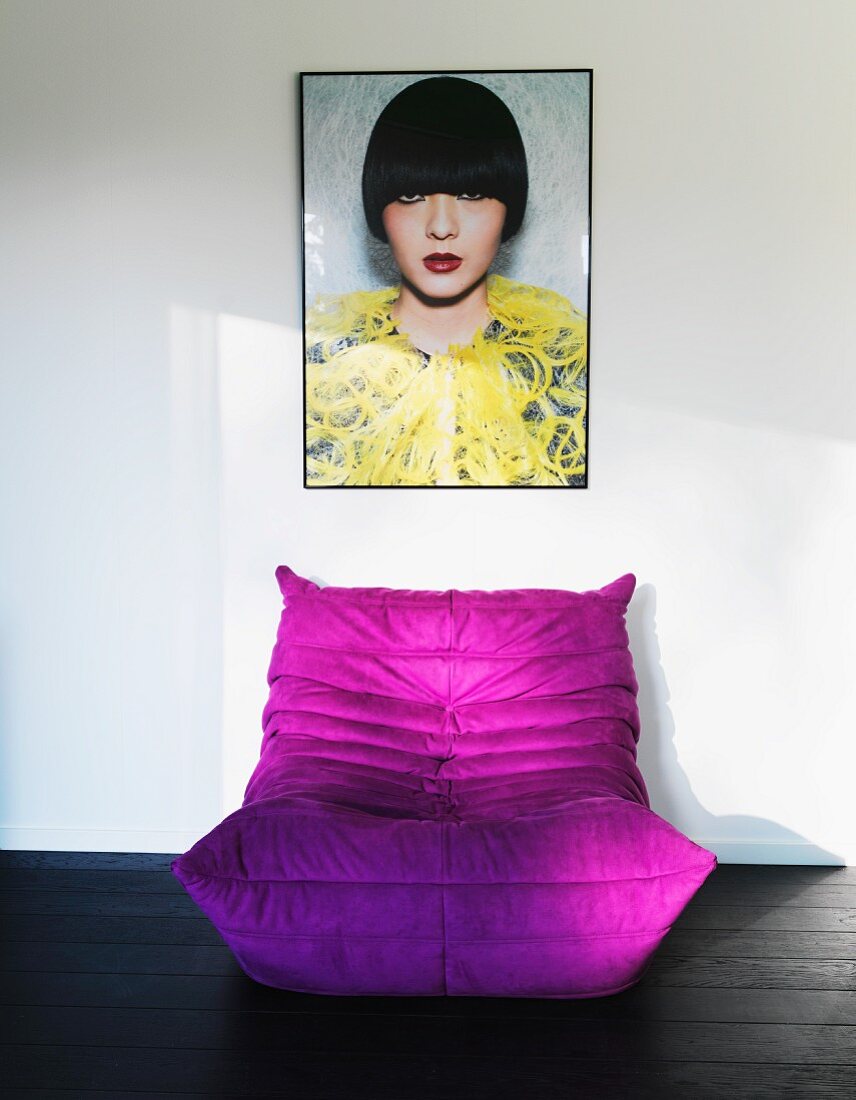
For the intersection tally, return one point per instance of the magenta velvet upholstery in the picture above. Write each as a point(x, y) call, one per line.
point(447, 801)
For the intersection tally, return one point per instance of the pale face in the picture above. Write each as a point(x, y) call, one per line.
point(444, 244)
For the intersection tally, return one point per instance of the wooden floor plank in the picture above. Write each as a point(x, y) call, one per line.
point(105, 861)
point(728, 891)
point(785, 873)
point(755, 956)
point(97, 1094)
point(398, 1036)
point(117, 958)
point(173, 904)
point(645, 1001)
point(385, 1077)
point(787, 974)
point(102, 903)
point(768, 917)
point(759, 944)
point(753, 885)
point(722, 888)
point(65, 928)
point(87, 880)
point(737, 925)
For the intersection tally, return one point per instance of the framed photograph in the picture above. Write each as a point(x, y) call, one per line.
point(446, 278)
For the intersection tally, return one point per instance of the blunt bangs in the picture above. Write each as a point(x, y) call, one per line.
point(449, 136)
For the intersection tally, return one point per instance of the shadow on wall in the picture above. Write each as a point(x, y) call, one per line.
point(736, 838)
point(6, 761)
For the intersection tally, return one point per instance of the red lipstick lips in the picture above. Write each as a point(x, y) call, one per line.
point(442, 262)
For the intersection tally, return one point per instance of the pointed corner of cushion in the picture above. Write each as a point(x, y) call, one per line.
point(183, 869)
point(285, 578)
point(291, 583)
point(621, 589)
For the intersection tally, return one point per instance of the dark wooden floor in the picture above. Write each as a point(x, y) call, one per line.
point(113, 983)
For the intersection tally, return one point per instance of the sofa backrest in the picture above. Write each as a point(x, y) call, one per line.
point(471, 699)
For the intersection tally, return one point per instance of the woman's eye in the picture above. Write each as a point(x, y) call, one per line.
point(410, 198)
point(471, 198)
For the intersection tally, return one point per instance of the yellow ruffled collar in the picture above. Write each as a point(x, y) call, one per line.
point(508, 409)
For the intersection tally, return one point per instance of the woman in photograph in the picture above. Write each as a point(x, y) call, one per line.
point(456, 376)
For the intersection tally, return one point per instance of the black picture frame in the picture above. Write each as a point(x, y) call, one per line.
point(343, 262)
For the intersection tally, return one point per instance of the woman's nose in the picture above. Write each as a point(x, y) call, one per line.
point(442, 220)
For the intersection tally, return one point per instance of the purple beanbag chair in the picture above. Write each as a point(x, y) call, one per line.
point(447, 801)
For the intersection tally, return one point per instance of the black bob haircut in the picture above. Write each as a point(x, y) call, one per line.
point(445, 135)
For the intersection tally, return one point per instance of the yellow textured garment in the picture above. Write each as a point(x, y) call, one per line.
point(509, 409)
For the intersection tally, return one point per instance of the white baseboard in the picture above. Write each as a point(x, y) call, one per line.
point(801, 852)
point(168, 841)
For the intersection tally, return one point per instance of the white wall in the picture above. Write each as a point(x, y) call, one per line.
point(151, 371)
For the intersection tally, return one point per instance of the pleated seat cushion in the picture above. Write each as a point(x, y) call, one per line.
point(447, 801)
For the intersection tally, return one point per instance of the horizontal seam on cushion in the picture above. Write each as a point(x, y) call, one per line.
point(513, 882)
point(606, 796)
point(349, 722)
point(450, 939)
point(458, 653)
point(315, 681)
point(441, 602)
point(372, 724)
point(564, 939)
point(348, 691)
point(317, 809)
point(320, 936)
point(464, 737)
